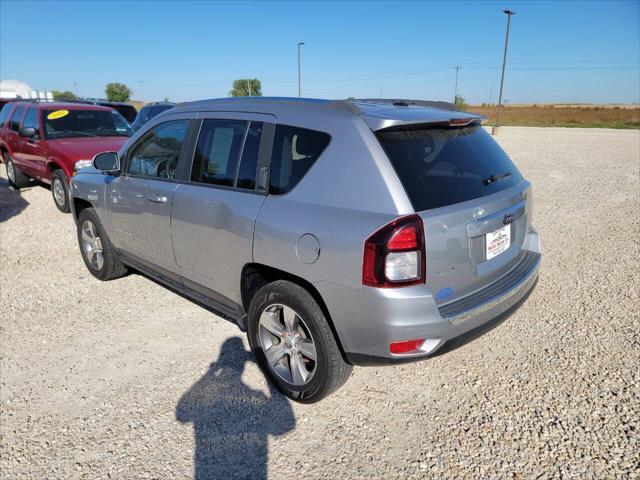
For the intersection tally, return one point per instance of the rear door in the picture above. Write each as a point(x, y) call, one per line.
point(214, 212)
point(12, 138)
point(140, 199)
point(33, 154)
point(475, 205)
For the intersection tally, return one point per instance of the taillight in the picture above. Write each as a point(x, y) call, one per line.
point(394, 256)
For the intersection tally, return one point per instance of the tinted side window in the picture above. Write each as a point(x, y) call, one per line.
point(295, 150)
point(4, 113)
point(216, 157)
point(249, 160)
point(157, 153)
point(15, 118)
point(31, 120)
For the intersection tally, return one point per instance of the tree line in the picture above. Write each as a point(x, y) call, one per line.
point(119, 92)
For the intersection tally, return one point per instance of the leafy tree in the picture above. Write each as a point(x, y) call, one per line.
point(117, 92)
point(460, 103)
point(245, 87)
point(65, 95)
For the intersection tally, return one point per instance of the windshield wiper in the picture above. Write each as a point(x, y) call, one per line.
point(77, 133)
point(495, 178)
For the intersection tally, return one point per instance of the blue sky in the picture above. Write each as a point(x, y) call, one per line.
point(558, 51)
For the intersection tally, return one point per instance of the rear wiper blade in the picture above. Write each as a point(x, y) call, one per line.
point(495, 178)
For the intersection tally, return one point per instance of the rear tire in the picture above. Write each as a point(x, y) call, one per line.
point(292, 368)
point(60, 191)
point(97, 251)
point(17, 179)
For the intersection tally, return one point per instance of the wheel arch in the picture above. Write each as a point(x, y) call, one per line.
point(79, 204)
point(256, 275)
point(54, 164)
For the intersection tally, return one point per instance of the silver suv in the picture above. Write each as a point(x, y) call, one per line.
point(335, 233)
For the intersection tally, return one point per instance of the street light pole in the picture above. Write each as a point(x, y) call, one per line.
point(299, 89)
point(496, 127)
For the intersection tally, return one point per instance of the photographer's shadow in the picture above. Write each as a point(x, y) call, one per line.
point(232, 421)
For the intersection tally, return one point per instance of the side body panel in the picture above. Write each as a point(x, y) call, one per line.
point(348, 194)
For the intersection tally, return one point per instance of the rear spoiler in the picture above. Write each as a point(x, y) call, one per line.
point(402, 115)
point(452, 123)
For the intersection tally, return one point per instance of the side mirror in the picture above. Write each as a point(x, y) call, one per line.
point(106, 161)
point(27, 132)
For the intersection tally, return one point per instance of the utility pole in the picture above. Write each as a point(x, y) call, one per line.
point(299, 88)
point(249, 85)
point(141, 82)
point(455, 91)
point(496, 127)
point(75, 88)
point(380, 91)
point(491, 94)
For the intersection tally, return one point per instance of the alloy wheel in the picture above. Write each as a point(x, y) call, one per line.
point(92, 245)
point(58, 191)
point(11, 173)
point(287, 344)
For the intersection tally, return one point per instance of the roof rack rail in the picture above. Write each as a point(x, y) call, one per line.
point(403, 102)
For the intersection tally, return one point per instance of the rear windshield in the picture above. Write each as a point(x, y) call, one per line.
point(84, 123)
point(445, 166)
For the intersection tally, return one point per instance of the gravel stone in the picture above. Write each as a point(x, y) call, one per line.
point(128, 380)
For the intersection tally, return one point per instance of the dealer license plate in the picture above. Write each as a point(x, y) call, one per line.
point(498, 241)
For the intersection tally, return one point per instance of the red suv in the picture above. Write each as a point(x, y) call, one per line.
point(51, 141)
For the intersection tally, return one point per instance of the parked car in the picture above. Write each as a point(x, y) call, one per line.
point(149, 111)
point(336, 233)
point(127, 110)
point(50, 142)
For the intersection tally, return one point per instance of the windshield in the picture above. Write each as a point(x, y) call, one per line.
point(84, 123)
point(445, 166)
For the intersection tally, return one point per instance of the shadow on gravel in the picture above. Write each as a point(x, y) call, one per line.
point(232, 421)
point(11, 202)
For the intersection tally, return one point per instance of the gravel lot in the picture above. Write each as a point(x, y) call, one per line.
point(126, 379)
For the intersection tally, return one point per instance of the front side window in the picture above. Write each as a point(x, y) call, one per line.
point(295, 150)
point(218, 150)
point(64, 123)
point(157, 153)
point(15, 118)
point(31, 120)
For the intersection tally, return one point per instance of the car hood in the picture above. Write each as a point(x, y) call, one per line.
point(85, 148)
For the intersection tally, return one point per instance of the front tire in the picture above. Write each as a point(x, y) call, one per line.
point(98, 252)
point(16, 178)
point(60, 191)
point(293, 343)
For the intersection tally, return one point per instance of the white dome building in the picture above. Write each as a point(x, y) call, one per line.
point(18, 89)
point(14, 89)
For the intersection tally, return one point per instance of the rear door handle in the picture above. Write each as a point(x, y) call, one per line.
point(157, 199)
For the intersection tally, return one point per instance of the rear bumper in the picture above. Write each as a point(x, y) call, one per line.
point(368, 320)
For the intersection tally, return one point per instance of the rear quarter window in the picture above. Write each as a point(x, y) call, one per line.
point(4, 113)
point(295, 150)
point(444, 166)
